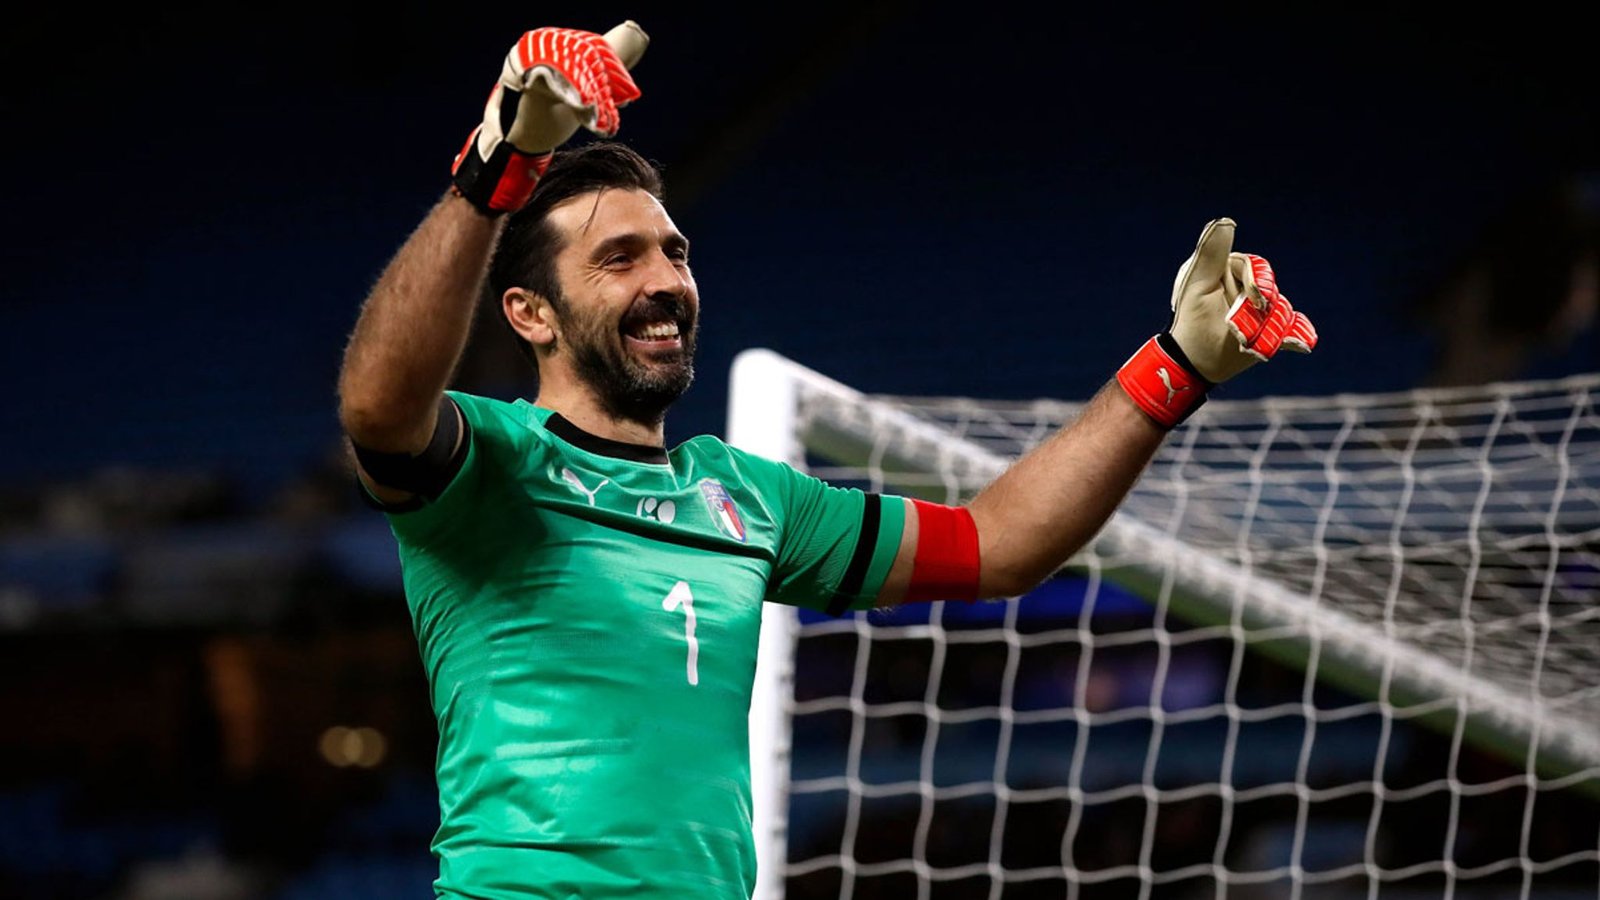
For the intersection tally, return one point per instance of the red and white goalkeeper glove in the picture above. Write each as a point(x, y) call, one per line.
point(1227, 315)
point(554, 81)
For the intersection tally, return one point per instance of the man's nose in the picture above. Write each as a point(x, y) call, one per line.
point(663, 277)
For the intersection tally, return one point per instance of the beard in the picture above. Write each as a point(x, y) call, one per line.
point(630, 387)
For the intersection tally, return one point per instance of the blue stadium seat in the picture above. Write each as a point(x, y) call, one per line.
point(57, 572)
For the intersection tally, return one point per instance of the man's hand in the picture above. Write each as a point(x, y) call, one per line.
point(1227, 315)
point(554, 81)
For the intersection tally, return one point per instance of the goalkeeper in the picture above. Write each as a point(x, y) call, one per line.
point(586, 601)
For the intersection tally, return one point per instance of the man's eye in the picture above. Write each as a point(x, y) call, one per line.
point(616, 259)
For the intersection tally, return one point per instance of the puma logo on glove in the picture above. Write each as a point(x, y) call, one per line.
point(1227, 315)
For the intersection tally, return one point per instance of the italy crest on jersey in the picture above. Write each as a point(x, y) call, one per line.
point(723, 511)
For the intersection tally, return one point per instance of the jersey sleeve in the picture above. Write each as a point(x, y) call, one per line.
point(836, 545)
point(490, 436)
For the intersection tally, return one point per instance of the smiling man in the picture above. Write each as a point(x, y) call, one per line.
point(586, 601)
point(594, 278)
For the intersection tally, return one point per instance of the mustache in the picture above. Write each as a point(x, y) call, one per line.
point(660, 307)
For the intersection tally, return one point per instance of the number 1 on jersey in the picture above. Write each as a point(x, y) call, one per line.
point(681, 596)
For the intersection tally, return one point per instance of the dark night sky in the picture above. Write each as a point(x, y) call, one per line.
point(911, 198)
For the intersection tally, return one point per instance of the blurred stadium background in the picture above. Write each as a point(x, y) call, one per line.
point(210, 687)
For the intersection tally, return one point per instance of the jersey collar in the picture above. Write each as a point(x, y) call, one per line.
point(583, 440)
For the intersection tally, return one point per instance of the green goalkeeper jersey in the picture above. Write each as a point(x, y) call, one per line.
point(587, 613)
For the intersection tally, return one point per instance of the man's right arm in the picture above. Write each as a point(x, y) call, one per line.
point(414, 324)
point(413, 328)
point(410, 335)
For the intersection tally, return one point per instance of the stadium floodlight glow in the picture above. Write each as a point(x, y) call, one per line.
point(343, 746)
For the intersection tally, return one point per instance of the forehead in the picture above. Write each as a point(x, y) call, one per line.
point(588, 219)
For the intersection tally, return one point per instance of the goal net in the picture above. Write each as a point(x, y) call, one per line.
point(1340, 646)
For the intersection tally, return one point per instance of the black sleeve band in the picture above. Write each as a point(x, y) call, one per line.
point(855, 572)
point(428, 473)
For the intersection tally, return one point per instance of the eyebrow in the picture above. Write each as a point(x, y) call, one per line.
point(634, 240)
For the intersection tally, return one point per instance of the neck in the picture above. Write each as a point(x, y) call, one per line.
point(583, 409)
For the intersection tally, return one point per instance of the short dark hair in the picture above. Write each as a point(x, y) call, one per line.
point(525, 257)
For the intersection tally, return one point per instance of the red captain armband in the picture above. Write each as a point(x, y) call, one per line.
point(1162, 381)
point(946, 564)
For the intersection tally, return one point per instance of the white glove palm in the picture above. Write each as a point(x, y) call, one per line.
point(1227, 315)
point(554, 81)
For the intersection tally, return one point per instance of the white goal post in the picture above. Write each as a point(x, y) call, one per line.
point(1433, 556)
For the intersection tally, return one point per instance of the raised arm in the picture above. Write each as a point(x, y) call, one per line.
point(412, 329)
point(415, 322)
point(1048, 504)
point(1227, 315)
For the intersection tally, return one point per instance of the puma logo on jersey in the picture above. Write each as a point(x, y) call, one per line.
point(1166, 379)
point(571, 478)
point(663, 511)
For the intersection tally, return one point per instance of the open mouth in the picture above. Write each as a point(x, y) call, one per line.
point(655, 333)
point(654, 326)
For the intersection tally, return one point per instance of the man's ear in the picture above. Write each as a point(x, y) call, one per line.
point(532, 317)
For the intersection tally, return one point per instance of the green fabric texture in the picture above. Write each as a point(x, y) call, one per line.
point(588, 625)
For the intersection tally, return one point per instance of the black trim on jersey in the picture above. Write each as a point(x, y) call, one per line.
point(594, 443)
point(425, 474)
point(856, 572)
point(404, 506)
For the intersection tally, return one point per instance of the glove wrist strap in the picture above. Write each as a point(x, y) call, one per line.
point(502, 183)
point(1162, 382)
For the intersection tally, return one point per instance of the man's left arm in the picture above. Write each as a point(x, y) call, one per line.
point(1228, 314)
point(1037, 514)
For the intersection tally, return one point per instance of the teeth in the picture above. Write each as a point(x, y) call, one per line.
point(659, 331)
